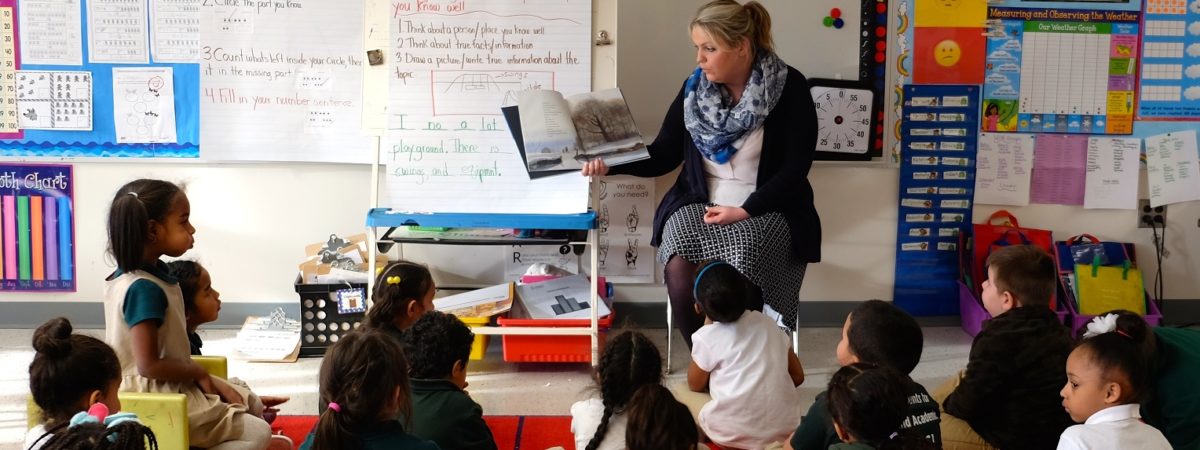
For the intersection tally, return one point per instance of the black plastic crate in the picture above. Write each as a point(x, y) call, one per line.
point(321, 323)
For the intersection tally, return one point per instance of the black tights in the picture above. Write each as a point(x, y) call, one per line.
point(680, 275)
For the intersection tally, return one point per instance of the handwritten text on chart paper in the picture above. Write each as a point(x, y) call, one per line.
point(454, 64)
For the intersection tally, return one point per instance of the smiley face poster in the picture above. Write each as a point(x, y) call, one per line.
point(948, 55)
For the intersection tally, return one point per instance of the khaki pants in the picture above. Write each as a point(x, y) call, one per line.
point(956, 433)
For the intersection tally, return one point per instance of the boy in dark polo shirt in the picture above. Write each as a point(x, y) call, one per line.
point(437, 347)
point(879, 333)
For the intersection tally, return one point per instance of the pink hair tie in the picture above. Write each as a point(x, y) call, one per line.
point(1123, 333)
point(335, 407)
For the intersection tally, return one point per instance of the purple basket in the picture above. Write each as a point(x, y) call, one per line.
point(972, 315)
point(1079, 320)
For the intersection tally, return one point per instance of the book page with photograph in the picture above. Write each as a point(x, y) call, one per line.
point(561, 135)
point(549, 134)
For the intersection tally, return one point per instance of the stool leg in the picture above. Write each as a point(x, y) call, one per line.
point(670, 332)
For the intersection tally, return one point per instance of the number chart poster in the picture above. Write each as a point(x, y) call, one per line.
point(37, 245)
point(98, 78)
point(1060, 71)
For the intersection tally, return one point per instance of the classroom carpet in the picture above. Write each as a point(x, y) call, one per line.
point(511, 432)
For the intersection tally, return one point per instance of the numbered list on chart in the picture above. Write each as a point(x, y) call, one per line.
point(454, 65)
point(281, 80)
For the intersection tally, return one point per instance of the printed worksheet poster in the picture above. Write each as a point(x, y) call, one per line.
point(1003, 170)
point(117, 32)
point(51, 32)
point(54, 100)
point(1172, 167)
point(175, 31)
point(144, 105)
point(1112, 173)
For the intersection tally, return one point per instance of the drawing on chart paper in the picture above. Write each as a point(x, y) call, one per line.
point(144, 105)
point(482, 92)
point(631, 254)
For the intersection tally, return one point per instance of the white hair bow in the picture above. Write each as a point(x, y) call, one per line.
point(1100, 325)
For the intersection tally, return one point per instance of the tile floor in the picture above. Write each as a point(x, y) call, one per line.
point(501, 388)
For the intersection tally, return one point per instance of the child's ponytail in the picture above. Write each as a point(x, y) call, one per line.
point(133, 207)
point(630, 360)
point(1120, 341)
point(363, 377)
point(67, 367)
point(332, 431)
point(397, 285)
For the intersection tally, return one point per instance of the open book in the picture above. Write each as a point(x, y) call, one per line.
point(561, 134)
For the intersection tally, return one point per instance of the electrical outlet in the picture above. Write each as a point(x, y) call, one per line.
point(1148, 215)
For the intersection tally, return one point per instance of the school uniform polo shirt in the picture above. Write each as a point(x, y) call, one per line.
point(1118, 426)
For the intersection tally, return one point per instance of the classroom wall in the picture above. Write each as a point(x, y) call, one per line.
point(253, 220)
point(857, 202)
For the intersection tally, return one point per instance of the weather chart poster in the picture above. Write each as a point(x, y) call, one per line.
point(1060, 71)
point(37, 245)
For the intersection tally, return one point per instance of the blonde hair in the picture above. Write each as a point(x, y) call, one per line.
point(729, 22)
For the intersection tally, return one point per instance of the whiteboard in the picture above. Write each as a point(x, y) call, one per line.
point(655, 53)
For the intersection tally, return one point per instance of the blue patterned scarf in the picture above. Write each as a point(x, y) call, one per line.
point(713, 124)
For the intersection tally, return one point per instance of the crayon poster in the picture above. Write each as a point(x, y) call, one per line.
point(37, 219)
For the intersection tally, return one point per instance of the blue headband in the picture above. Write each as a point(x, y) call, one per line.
point(696, 284)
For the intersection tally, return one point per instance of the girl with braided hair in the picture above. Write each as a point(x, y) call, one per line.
point(94, 429)
point(629, 361)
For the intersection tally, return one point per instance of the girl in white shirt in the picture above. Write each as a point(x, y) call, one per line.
point(1106, 374)
point(630, 360)
point(743, 359)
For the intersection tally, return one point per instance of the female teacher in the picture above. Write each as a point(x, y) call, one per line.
point(744, 128)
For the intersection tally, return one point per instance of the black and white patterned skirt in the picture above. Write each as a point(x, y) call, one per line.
point(759, 247)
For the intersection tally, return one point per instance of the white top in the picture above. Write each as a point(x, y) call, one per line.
point(1115, 427)
point(731, 183)
point(33, 434)
point(754, 401)
point(585, 417)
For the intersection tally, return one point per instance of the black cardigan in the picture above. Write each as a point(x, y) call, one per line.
point(1009, 392)
point(789, 139)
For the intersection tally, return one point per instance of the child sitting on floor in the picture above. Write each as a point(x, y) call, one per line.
point(744, 361)
point(875, 332)
point(438, 346)
point(1008, 395)
point(403, 291)
point(201, 305)
point(364, 387)
point(868, 405)
point(630, 360)
point(659, 422)
point(1106, 377)
point(73, 373)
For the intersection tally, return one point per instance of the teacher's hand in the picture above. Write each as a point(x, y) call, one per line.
point(724, 215)
point(595, 168)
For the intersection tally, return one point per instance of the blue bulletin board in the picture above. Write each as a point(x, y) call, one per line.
point(1170, 61)
point(101, 140)
point(937, 182)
